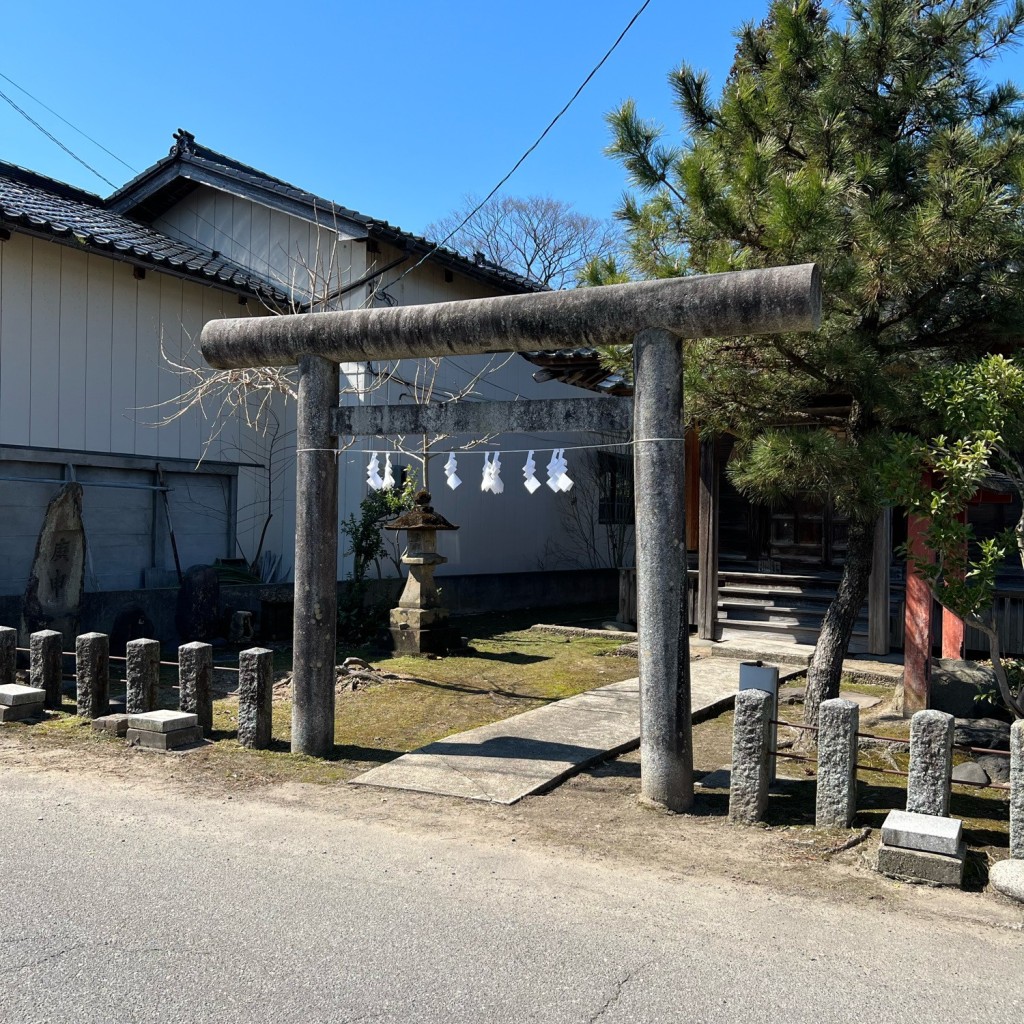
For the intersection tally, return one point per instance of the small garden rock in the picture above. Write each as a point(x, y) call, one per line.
point(970, 771)
point(997, 768)
point(989, 733)
point(1007, 877)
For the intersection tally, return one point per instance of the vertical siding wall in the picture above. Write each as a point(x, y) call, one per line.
point(82, 370)
point(306, 260)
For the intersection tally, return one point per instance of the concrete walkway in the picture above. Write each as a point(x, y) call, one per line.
point(532, 752)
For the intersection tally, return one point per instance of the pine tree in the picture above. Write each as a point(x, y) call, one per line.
point(862, 136)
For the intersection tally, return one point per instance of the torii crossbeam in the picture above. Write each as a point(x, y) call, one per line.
point(656, 317)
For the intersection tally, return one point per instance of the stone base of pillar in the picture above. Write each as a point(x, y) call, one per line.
point(407, 637)
point(22, 712)
point(919, 866)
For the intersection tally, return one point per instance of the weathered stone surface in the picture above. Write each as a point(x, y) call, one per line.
point(539, 415)
point(8, 655)
point(1007, 877)
point(255, 696)
point(46, 664)
point(164, 740)
point(836, 798)
point(1017, 790)
point(142, 675)
point(955, 684)
point(666, 739)
point(198, 606)
point(21, 712)
point(195, 682)
point(931, 762)
point(419, 624)
point(748, 783)
point(918, 866)
point(996, 767)
point(162, 721)
point(116, 725)
point(714, 305)
point(241, 629)
point(970, 772)
point(14, 694)
point(54, 593)
point(988, 733)
point(316, 546)
point(92, 670)
point(925, 832)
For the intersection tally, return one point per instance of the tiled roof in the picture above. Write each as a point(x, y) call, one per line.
point(66, 214)
point(165, 183)
point(581, 367)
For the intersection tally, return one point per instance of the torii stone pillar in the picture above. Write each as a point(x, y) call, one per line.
point(657, 316)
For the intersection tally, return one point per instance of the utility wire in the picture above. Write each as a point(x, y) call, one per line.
point(53, 138)
point(540, 138)
point(73, 127)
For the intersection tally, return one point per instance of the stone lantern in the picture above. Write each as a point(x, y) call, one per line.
point(419, 625)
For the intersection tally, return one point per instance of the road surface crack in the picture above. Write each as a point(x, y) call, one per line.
point(620, 984)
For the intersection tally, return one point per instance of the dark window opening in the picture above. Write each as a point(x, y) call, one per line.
point(615, 489)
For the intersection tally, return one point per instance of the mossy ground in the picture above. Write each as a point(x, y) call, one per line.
point(508, 670)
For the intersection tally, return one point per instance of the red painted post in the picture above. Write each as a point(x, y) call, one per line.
point(952, 625)
point(917, 628)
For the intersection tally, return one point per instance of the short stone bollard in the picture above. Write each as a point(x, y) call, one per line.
point(255, 697)
point(751, 734)
point(92, 671)
point(1017, 790)
point(195, 682)
point(836, 799)
point(142, 675)
point(931, 762)
point(46, 664)
point(8, 655)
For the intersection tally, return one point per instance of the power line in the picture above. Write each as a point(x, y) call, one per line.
point(53, 138)
point(73, 127)
point(540, 138)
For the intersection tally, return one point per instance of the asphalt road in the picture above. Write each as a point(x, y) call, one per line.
point(129, 906)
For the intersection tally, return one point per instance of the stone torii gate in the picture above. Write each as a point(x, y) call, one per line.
point(655, 316)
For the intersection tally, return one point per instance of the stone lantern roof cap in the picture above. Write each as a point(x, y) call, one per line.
point(422, 517)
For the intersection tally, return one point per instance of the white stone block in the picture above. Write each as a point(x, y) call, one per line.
point(162, 721)
point(927, 832)
point(14, 694)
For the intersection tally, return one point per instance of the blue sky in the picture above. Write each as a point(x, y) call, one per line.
point(395, 109)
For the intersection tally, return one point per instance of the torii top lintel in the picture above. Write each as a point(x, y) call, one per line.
point(770, 301)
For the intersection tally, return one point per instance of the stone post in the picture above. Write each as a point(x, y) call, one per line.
point(255, 697)
point(142, 676)
point(46, 664)
point(1017, 790)
point(92, 672)
point(8, 655)
point(836, 799)
point(195, 679)
point(663, 632)
point(931, 762)
point(316, 561)
point(751, 733)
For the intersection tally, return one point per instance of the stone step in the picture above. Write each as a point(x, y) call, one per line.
point(738, 629)
point(782, 579)
point(781, 613)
